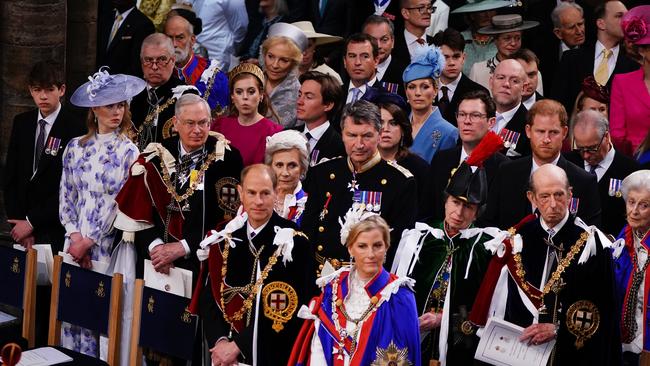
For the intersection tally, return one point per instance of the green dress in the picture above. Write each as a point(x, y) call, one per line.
point(442, 264)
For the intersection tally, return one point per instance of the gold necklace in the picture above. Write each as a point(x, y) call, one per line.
point(248, 302)
point(556, 276)
point(148, 121)
point(190, 190)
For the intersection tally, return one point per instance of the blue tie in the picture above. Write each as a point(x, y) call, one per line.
point(323, 4)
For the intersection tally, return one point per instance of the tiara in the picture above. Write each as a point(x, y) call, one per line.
point(247, 68)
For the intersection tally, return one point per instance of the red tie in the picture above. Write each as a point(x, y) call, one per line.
point(420, 41)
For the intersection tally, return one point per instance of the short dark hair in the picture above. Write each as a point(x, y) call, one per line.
point(600, 9)
point(362, 38)
point(45, 74)
point(378, 19)
point(526, 55)
point(330, 90)
point(450, 38)
point(483, 96)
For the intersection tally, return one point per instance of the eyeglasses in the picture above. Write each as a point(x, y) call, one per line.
point(473, 117)
point(424, 8)
point(191, 124)
point(158, 61)
point(591, 150)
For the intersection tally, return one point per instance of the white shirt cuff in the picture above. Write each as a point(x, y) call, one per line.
point(29, 222)
point(186, 247)
point(155, 243)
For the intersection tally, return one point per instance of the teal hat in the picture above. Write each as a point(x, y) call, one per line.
point(427, 63)
point(474, 6)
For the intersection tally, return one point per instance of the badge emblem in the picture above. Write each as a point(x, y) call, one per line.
point(227, 196)
point(582, 320)
point(391, 356)
point(573, 206)
point(15, 267)
point(280, 302)
point(100, 292)
point(168, 129)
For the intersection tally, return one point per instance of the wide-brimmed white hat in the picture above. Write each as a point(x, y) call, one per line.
point(508, 23)
point(105, 89)
point(320, 38)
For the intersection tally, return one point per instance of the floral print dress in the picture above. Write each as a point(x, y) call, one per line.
point(93, 174)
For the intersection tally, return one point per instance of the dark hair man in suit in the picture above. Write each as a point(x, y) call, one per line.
point(318, 105)
point(33, 168)
point(453, 83)
point(546, 128)
point(360, 62)
point(475, 117)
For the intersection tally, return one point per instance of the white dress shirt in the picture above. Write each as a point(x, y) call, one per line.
point(528, 103)
point(412, 43)
point(534, 167)
point(49, 122)
point(463, 156)
point(551, 255)
point(316, 134)
point(382, 67)
point(503, 119)
point(603, 165)
point(224, 26)
point(362, 90)
point(451, 87)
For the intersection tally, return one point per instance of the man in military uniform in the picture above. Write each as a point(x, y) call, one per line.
point(362, 179)
point(558, 281)
point(180, 189)
point(152, 110)
point(182, 26)
point(260, 272)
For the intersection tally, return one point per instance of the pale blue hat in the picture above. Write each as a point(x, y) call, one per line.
point(105, 89)
point(427, 63)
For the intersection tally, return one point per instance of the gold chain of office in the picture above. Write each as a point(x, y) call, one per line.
point(148, 121)
point(190, 190)
point(248, 303)
point(564, 263)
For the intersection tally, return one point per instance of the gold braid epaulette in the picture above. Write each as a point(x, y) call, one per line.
point(564, 263)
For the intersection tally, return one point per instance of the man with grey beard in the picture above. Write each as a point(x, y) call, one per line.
point(182, 26)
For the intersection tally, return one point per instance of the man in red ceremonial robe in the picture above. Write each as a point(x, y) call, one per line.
point(553, 276)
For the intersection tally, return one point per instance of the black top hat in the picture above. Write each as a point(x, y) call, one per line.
point(471, 186)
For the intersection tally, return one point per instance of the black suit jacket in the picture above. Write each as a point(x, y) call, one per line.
point(441, 166)
point(123, 54)
point(507, 202)
point(518, 124)
point(576, 65)
point(400, 52)
point(613, 207)
point(464, 85)
point(273, 347)
point(393, 74)
point(36, 195)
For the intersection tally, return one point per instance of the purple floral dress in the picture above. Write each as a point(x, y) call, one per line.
point(93, 174)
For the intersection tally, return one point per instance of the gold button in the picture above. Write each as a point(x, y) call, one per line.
point(332, 176)
point(327, 194)
point(320, 248)
point(383, 182)
point(320, 266)
point(321, 229)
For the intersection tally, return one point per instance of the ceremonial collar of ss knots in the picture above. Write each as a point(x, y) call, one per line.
point(367, 165)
